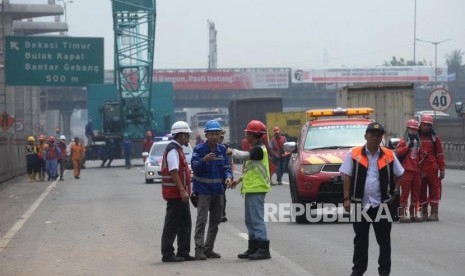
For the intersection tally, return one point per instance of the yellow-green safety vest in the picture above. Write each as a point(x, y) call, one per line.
point(256, 178)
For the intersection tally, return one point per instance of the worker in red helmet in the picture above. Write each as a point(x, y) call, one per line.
point(277, 151)
point(407, 152)
point(255, 185)
point(51, 155)
point(432, 168)
point(147, 143)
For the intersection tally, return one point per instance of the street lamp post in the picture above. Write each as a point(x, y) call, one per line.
point(65, 3)
point(415, 33)
point(435, 43)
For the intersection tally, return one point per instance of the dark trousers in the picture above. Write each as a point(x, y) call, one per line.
point(178, 224)
point(383, 237)
point(61, 163)
point(280, 167)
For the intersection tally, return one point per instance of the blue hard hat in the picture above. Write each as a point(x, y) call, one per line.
point(213, 125)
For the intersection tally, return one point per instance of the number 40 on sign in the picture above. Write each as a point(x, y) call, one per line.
point(440, 99)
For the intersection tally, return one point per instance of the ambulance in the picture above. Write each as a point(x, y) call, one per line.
point(324, 142)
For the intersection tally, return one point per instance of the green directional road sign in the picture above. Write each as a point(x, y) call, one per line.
point(53, 60)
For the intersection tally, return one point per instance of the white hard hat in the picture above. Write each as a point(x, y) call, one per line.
point(62, 137)
point(180, 127)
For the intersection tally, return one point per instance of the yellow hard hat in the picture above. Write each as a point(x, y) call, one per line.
point(31, 139)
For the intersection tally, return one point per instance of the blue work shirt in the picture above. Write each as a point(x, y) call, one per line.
point(209, 176)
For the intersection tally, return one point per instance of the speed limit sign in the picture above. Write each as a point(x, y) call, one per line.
point(440, 99)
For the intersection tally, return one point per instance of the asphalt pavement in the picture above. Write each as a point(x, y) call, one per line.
point(109, 222)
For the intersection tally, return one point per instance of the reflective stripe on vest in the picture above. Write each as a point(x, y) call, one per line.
point(256, 177)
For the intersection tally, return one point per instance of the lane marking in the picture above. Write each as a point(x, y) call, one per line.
point(276, 256)
point(23, 219)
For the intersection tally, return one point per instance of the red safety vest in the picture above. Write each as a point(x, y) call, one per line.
point(169, 188)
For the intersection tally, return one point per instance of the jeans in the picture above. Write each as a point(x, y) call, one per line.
point(254, 216)
point(212, 204)
point(280, 167)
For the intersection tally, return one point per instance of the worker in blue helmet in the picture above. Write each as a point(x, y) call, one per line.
point(212, 170)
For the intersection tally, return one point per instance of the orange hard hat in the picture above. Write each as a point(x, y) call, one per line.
point(42, 137)
point(276, 129)
point(427, 119)
point(413, 124)
point(256, 127)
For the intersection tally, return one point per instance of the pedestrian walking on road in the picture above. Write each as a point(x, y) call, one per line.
point(42, 146)
point(212, 171)
point(51, 155)
point(62, 158)
point(372, 177)
point(127, 146)
point(32, 158)
point(77, 155)
point(277, 151)
point(432, 167)
point(255, 185)
point(176, 188)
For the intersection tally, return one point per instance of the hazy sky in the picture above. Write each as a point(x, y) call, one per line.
point(284, 33)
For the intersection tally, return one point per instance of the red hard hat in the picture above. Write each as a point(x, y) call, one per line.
point(256, 127)
point(427, 119)
point(276, 129)
point(51, 139)
point(413, 124)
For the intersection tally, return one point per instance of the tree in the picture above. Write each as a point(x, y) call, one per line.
point(454, 61)
point(402, 62)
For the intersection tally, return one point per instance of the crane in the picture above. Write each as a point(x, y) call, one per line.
point(134, 37)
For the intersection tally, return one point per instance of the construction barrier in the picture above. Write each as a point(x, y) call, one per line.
point(12, 157)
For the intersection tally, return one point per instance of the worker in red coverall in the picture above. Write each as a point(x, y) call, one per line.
point(431, 161)
point(147, 143)
point(407, 152)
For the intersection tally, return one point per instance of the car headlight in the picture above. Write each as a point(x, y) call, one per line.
point(154, 163)
point(310, 169)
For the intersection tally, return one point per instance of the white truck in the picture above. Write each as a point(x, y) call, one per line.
point(392, 102)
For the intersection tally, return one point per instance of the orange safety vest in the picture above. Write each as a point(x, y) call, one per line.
point(169, 188)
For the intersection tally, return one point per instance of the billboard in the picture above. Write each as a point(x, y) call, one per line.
point(224, 79)
point(53, 60)
point(373, 74)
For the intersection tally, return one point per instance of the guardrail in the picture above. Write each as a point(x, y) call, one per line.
point(454, 154)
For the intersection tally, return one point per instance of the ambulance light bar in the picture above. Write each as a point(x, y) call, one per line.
point(360, 111)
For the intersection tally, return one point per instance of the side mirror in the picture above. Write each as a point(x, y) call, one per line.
point(393, 143)
point(145, 154)
point(290, 147)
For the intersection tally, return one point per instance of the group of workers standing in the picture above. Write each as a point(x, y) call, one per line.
point(45, 157)
point(212, 174)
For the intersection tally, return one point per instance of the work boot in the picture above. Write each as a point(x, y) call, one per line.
point(263, 251)
point(252, 248)
point(212, 254)
point(200, 255)
point(172, 259)
point(424, 212)
point(31, 177)
point(403, 218)
point(434, 214)
point(414, 216)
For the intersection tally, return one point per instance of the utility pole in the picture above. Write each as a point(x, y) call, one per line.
point(435, 43)
point(415, 33)
point(212, 54)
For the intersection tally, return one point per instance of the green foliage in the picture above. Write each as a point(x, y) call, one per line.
point(403, 62)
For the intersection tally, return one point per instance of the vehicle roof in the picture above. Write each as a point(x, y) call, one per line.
point(335, 121)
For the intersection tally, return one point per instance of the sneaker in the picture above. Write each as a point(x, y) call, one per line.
point(212, 254)
point(199, 255)
point(172, 259)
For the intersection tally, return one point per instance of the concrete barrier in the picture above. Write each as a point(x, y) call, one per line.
point(12, 157)
point(454, 154)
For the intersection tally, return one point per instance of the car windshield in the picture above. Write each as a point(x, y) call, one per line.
point(159, 148)
point(333, 137)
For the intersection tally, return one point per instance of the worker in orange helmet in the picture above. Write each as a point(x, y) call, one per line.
point(277, 151)
point(431, 163)
point(147, 143)
point(407, 152)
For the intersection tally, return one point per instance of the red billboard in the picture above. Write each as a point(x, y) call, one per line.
point(224, 79)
